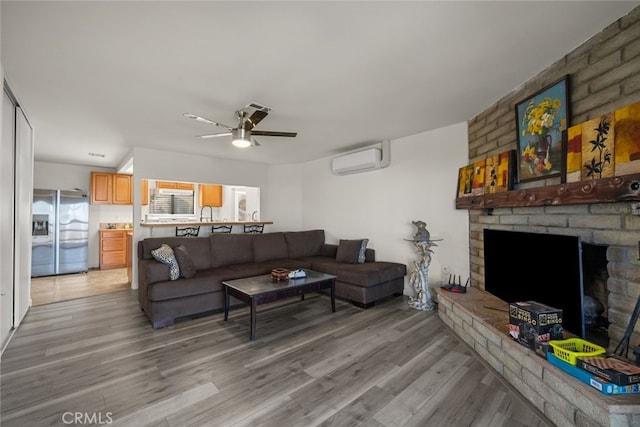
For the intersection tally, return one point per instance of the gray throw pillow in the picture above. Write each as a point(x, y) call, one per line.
point(363, 249)
point(351, 251)
point(185, 263)
point(165, 255)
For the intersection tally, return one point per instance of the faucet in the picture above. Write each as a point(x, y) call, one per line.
point(210, 213)
point(254, 215)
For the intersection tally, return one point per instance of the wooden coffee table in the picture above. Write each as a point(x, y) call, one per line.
point(263, 289)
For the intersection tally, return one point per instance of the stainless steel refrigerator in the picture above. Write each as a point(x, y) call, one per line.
point(60, 230)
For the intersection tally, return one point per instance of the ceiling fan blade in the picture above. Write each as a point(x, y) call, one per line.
point(202, 119)
point(273, 133)
point(214, 135)
point(255, 142)
point(255, 118)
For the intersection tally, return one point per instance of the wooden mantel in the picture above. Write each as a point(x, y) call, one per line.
point(607, 190)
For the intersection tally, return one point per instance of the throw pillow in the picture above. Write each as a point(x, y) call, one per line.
point(165, 255)
point(185, 263)
point(363, 250)
point(351, 251)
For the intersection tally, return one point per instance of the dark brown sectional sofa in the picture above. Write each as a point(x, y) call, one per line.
point(222, 257)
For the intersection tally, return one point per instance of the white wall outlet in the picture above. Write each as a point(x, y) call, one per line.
point(635, 208)
point(446, 271)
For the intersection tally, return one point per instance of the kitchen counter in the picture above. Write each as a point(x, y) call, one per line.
point(196, 223)
point(116, 226)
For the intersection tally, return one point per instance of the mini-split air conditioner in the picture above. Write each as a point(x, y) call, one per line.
point(360, 161)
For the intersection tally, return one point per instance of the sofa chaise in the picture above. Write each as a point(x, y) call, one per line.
point(208, 261)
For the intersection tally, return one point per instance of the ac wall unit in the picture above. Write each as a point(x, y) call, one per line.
point(360, 161)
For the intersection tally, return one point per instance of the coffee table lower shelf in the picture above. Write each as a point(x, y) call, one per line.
point(258, 290)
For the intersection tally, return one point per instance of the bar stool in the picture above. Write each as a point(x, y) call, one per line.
point(253, 228)
point(188, 231)
point(221, 228)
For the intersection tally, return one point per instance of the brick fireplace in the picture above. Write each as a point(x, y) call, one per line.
point(607, 224)
point(602, 78)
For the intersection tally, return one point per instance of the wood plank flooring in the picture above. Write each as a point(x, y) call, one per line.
point(98, 359)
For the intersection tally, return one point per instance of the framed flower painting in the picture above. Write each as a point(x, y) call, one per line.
point(541, 121)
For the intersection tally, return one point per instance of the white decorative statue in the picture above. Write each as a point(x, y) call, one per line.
point(419, 277)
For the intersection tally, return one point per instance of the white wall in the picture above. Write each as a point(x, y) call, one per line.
point(282, 199)
point(58, 176)
point(420, 184)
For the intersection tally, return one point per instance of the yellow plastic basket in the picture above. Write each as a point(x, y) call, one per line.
point(569, 350)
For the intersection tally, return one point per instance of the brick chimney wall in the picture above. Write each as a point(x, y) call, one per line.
point(604, 75)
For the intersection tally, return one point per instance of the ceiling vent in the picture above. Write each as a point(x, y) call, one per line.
point(360, 161)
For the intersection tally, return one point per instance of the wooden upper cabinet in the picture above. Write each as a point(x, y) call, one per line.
point(145, 192)
point(210, 194)
point(111, 188)
point(175, 185)
point(185, 185)
point(101, 187)
point(165, 184)
point(122, 185)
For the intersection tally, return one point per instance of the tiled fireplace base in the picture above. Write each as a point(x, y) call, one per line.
point(481, 320)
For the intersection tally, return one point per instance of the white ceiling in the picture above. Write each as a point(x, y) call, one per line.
point(104, 77)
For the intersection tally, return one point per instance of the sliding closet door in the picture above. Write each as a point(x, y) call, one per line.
point(22, 215)
point(7, 158)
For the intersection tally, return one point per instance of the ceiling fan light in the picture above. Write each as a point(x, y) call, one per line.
point(241, 143)
point(241, 138)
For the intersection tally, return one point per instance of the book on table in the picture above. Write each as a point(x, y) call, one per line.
point(610, 368)
point(594, 381)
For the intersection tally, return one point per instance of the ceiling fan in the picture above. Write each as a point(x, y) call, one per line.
point(242, 135)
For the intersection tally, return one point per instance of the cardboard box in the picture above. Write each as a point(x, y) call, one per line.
point(612, 369)
point(534, 324)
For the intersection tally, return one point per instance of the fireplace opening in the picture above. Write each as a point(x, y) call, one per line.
point(560, 271)
point(595, 275)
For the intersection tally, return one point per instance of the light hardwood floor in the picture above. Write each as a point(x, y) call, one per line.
point(389, 365)
point(45, 290)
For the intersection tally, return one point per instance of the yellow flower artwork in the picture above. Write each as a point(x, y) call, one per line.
point(541, 121)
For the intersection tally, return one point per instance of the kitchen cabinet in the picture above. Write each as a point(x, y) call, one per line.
point(122, 185)
point(210, 195)
point(175, 185)
point(101, 187)
point(113, 249)
point(111, 188)
point(145, 192)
